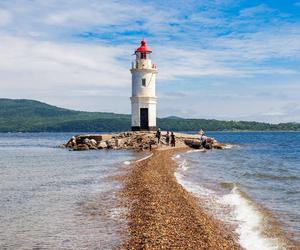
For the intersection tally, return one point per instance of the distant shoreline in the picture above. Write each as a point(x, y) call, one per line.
point(34, 116)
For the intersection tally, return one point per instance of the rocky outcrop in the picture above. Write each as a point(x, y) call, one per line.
point(210, 143)
point(126, 140)
point(135, 140)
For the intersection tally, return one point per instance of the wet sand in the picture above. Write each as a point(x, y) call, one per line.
point(163, 215)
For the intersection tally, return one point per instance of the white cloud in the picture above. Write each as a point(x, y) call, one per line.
point(47, 64)
point(174, 63)
point(277, 42)
point(92, 13)
point(44, 57)
point(5, 17)
point(252, 11)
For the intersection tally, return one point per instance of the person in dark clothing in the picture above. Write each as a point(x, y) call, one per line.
point(202, 138)
point(204, 141)
point(173, 141)
point(158, 135)
point(168, 138)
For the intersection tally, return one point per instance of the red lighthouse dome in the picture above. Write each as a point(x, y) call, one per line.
point(143, 48)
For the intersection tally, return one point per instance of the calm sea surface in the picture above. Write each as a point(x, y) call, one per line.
point(255, 185)
point(52, 198)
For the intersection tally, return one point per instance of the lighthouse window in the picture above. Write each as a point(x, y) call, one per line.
point(144, 82)
point(143, 55)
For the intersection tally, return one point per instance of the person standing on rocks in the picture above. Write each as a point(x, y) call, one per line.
point(168, 138)
point(158, 135)
point(203, 138)
point(201, 132)
point(173, 141)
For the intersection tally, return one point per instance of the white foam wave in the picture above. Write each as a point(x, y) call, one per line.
point(184, 165)
point(195, 151)
point(138, 160)
point(230, 146)
point(144, 158)
point(191, 187)
point(243, 215)
point(250, 222)
point(177, 156)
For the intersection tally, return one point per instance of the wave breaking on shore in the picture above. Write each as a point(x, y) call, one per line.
point(232, 208)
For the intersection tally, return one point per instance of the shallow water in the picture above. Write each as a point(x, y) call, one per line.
point(255, 185)
point(52, 198)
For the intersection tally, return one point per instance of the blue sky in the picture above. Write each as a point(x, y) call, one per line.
point(216, 59)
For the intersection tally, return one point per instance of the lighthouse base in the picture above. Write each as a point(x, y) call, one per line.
point(138, 128)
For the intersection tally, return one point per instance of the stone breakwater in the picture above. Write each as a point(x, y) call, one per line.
point(138, 141)
point(163, 215)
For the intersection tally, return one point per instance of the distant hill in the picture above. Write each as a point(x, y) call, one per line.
point(34, 116)
point(173, 117)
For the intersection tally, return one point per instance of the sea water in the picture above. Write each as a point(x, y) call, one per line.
point(53, 198)
point(253, 185)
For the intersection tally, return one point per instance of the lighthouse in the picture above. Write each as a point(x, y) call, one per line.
point(143, 98)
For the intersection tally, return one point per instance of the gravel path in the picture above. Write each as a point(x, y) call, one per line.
point(163, 215)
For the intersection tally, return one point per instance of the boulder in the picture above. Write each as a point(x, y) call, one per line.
point(217, 145)
point(209, 140)
point(81, 147)
point(120, 142)
point(80, 138)
point(208, 145)
point(193, 143)
point(102, 145)
point(71, 143)
point(93, 142)
point(86, 140)
point(111, 143)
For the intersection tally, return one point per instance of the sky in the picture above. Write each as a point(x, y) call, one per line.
point(220, 59)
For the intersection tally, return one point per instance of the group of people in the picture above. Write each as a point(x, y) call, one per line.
point(170, 138)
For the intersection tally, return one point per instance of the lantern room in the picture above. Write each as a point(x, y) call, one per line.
point(143, 52)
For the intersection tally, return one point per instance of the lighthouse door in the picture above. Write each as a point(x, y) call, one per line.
point(144, 118)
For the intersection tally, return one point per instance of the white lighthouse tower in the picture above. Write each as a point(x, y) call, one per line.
point(143, 99)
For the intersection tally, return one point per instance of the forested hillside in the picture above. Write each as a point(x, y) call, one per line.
point(35, 116)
